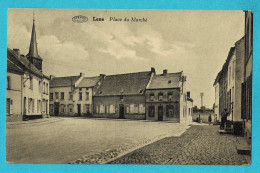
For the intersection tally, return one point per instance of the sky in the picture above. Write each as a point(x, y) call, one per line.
point(193, 41)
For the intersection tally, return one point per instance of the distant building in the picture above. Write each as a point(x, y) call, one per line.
point(33, 83)
point(203, 114)
point(166, 98)
point(122, 95)
point(72, 95)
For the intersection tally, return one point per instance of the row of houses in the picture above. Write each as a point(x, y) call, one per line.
point(233, 84)
point(27, 92)
point(141, 95)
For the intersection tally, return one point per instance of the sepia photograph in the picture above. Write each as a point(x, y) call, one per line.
point(129, 86)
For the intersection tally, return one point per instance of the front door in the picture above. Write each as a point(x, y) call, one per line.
point(56, 108)
point(121, 111)
point(160, 113)
point(24, 105)
point(79, 110)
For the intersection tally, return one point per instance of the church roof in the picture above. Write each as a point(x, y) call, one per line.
point(33, 50)
point(163, 81)
point(124, 84)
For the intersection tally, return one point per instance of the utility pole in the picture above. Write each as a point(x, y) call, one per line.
point(201, 95)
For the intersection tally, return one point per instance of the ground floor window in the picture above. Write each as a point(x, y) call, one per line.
point(9, 106)
point(70, 107)
point(101, 109)
point(62, 108)
point(169, 111)
point(151, 111)
point(51, 108)
point(141, 108)
point(112, 109)
point(87, 107)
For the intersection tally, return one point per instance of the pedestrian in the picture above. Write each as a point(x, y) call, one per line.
point(209, 119)
point(223, 118)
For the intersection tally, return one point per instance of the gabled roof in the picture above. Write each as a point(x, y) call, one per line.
point(63, 81)
point(124, 84)
point(163, 81)
point(24, 63)
point(88, 82)
point(11, 67)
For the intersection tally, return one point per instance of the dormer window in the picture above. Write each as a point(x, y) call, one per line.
point(152, 96)
point(160, 96)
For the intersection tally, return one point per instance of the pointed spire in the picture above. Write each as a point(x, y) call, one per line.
point(33, 51)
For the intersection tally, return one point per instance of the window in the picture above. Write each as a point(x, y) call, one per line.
point(101, 109)
point(47, 88)
point(141, 108)
point(133, 108)
point(170, 96)
point(51, 96)
point(9, 106)
point(169, 111)
point(121, 98)
point(127, 109)
point(80, 95)
point(51, 108)
point(70, 106)
point(112, 109)
point(31, 83)
point(62, 95)
point(38, 106)
point(62, 108)
point(160, 96)
point(57, 95)
point(29, 105)
point(80, 89)
point(107, 108)
point(151, 111)
point(43, 87)
point(70, 95)
point(39, 87)
point(87, 108)
point(87, 95)
point(152, 96)
point(8, 83)
point(97, 109)
point(234, 70)
point(32, 105)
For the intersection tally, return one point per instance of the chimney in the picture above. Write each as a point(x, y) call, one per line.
point(17, 51)
point(188, 94)
point(102, 76)
point(82, 74)
point(153, 69)
point(52, 77)
point(164, 71)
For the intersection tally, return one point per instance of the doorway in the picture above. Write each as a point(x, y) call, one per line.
point(121, 111)
point(160, 113)
point(56, 108)
point(79, 109)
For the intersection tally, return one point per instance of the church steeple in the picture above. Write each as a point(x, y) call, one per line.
point(33, 55)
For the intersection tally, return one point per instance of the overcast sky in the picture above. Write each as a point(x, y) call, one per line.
point(195, 42)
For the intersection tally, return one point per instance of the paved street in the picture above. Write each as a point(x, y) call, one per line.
point(198, 145)
point(64, 140)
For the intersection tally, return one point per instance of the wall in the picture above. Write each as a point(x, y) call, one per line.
point(204, 115)
point(83, 102)
point(15, 94)
point(175, 102)
point(115, 100)
point(216, 108)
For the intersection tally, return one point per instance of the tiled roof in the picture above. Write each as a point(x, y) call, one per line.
point(88, 82)
point(124, 84)
point(169, 80)
point(23, 63)
point(12, 67)
point(63, 81)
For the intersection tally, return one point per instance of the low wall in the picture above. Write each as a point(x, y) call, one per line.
point(203, 115)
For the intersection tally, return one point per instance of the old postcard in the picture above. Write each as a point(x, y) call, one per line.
point(110, 86)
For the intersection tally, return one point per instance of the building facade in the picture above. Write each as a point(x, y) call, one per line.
point(166, 98)
point(122, 96)
point(246, 109)
point(34, 84)
point(72, 95)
